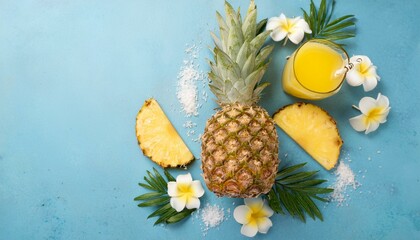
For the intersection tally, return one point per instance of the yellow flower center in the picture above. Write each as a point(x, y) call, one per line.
point(254, 215)
point(364, 69)
point(288, 26)
point(253, 222)
point(374, 115)
point(185, 190)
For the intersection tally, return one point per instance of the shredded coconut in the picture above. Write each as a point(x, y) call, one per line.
point(198, 139)
point(188, 76)
point(211, 216)
point(189, 124)
point(345, 178)
point(187, 88)
point(191, 89)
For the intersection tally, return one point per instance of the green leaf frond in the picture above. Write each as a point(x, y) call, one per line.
point(158, 197)
point(319, 20)
point(240, 59)
point(294, 191)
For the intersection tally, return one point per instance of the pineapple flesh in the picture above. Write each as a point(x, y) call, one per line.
point(239, 149)
point(313, 129)
point(158, 138)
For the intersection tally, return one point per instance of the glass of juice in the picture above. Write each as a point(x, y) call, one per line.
point(316, 70)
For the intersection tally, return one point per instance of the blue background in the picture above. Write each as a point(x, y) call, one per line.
point(74, 73)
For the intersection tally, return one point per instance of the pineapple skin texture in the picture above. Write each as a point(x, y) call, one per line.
point(240, 151)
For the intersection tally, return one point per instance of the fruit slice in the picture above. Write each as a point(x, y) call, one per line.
point(158, 139)
point(313, 129)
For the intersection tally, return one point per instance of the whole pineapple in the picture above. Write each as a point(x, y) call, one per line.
point(240, 143)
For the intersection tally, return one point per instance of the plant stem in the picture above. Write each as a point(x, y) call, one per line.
point(285, 41)
point(355, 107)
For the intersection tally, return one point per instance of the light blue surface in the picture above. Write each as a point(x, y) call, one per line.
point(73, 75)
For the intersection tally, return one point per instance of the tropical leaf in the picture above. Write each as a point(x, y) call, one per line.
point(295, 190)
point(319, 20)
point(158, 197)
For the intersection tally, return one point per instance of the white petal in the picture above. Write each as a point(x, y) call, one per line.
point(384, 115)
point(255, 204)
point(264, 224)
point(241, 214)
point(372, 71)
point(357, 59)
point(266, 210)
point(366, 104)
point(296, 20)
point(296, 36)
point(370, 83)
point(293, 22)
point(173, 189)
point(283, 18)
point(197, 188)
point(366, 60)
point(302, 24)
point(382, 101)
point(381, 118)
point(184, 178)
point(249, 230)
point(354, 78)
point(192, 203)
point(278, 34)
point(354, 59)
point(358, 123)
point(372, 127)
point(178, 203)
point(273, 23)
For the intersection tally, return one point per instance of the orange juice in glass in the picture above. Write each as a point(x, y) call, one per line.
point(316, 70)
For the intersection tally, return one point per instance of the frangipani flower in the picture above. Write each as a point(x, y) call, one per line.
point(254, 216)
point(289, 28)
point(363, 72)
point(374, 112)
point(185, 192)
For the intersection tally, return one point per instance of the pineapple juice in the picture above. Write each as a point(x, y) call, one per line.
point(315, 71)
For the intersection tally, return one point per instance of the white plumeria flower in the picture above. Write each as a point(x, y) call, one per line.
point(374, 112)
point(289, 28)
point(185, 192)
point(363, 72)
point(254, 216)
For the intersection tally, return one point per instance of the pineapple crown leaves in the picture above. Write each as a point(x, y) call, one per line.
point(158, 197)
point(240, 60)
point(296, 191)
point(319, 21)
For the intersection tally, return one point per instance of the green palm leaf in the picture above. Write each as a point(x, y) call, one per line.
point(158, 197)
point(319, 20)
point(295, 191)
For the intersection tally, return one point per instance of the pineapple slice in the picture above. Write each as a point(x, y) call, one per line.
point(313, 129)
point(158, 138)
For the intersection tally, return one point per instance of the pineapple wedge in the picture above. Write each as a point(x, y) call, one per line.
point(313, 129)
point(158, 138)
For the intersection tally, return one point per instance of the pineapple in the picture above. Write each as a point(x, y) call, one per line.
point(240, 143)
point(158, 139)
point(313, 129)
